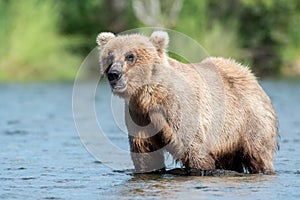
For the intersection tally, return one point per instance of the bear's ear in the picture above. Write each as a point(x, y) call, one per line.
point(160, 40)
point(103, 38)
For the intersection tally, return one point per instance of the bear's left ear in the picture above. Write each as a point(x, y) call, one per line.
point(103, 38)
point(160, 40)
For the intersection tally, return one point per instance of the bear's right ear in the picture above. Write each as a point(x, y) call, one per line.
point(103, 38)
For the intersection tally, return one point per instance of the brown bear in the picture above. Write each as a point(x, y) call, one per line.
point(207, 115)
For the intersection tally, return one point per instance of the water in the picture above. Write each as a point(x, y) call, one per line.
point(42, 157)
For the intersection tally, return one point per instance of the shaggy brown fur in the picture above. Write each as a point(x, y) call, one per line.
point(209, 115)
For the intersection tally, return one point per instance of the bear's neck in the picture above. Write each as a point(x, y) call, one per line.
point(147, 97)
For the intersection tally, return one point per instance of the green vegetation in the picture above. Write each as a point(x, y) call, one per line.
point(263, 33)
point(31, 45)
point(48, 39)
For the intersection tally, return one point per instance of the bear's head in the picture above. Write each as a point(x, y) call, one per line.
point(128, 61)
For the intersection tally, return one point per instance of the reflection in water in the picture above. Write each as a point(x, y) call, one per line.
point(172, 186)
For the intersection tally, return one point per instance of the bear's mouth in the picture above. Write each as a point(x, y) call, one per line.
point(118, 87)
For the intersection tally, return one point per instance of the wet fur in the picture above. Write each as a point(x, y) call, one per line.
point(248, 138)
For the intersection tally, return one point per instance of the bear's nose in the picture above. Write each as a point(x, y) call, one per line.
point(114, 75)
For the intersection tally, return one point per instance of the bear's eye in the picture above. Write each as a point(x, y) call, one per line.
point(130, 57)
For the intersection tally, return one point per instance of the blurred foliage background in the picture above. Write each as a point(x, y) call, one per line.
point(48, 39)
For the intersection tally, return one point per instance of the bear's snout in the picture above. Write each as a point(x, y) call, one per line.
point(114, 75)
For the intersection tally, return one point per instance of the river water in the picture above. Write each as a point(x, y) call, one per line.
point(43, 157)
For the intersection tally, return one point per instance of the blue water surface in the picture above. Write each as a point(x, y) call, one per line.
point(42, 156)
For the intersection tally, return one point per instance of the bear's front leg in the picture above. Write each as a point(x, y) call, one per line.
point(146, 138)
point(147, 155)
